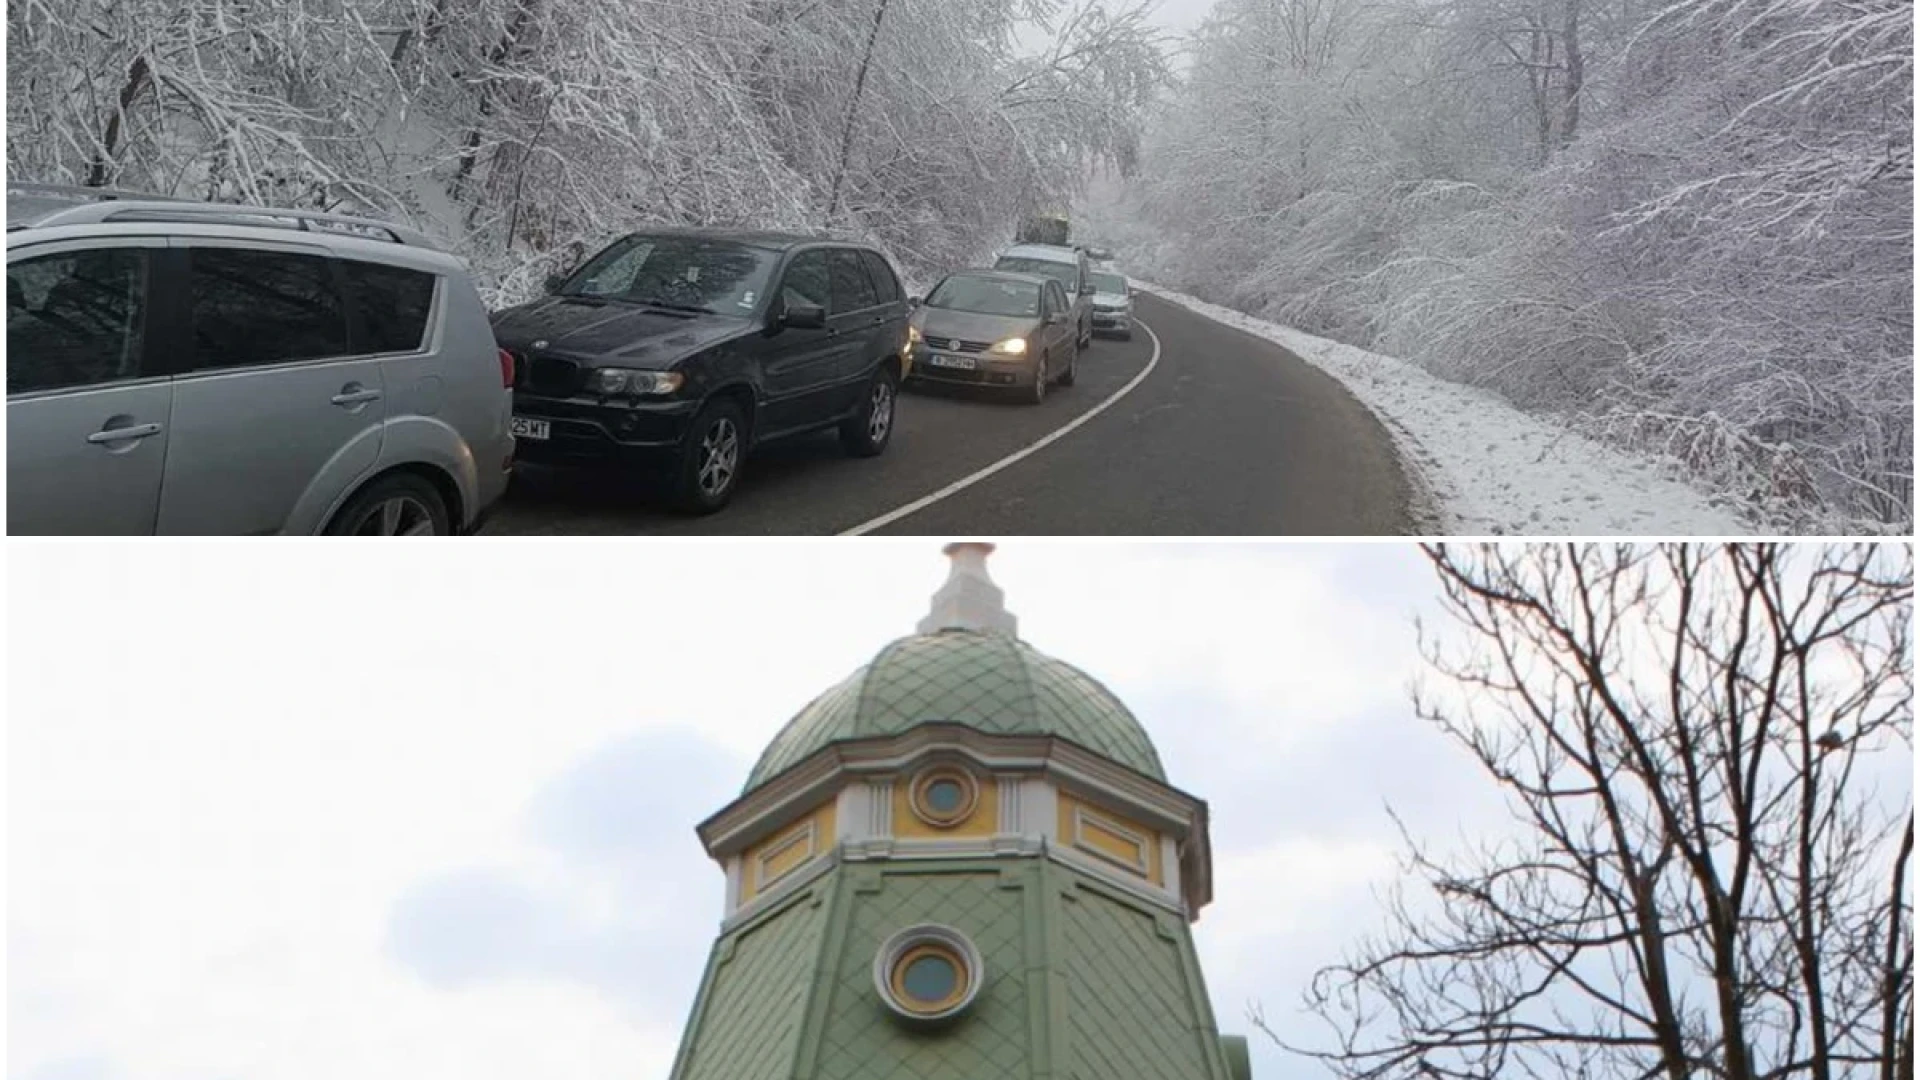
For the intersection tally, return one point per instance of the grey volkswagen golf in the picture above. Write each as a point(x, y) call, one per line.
point(178, 367)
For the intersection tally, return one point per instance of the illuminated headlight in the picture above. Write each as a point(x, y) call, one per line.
point(616, 382)
point(1013, 346)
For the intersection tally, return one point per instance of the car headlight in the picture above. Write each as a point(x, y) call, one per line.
point(1013, 346)
point(615, 382)
point(913, 338)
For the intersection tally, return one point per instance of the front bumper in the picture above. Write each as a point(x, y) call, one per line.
point(586, 432)
point(988, 369)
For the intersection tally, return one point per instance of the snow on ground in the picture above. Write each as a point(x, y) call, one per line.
point(1488, 468)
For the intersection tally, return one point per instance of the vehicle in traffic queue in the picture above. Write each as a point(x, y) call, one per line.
point(996, 329)
point(180, 367)
point(676, 352)
point(1066, 265)
point(1112, 304)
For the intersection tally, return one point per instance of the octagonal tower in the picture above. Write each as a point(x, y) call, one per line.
point(963, 861)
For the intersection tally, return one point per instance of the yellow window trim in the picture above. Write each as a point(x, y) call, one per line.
point(1085, 820)
point(766, 873)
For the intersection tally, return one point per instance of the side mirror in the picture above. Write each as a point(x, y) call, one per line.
point(915, 301)
point(804, 316)
point(1056, 318)
point(554, 281)
point(1087, 289)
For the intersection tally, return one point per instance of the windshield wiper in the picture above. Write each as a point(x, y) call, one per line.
point(674, 307)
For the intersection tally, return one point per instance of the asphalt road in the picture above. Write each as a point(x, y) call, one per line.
point(1226, 434)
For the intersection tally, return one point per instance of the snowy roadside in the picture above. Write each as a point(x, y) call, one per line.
point(1487, 468)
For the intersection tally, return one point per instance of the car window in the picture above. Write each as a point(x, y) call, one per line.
point(886, 286)
point(1059, 296)
point(264, 307)
point(988, 296)
point(74, 319)
point(851, 289)
point(684, 272)
point(1064, 272)
point(1110, 283)
point(807, 280)
point(393, 303)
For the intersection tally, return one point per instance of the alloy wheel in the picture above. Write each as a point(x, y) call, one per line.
point(397, 515)
point(880, 411)
point(719, 457)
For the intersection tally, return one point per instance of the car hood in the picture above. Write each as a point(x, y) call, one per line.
point(631, 335)
point(972, 325)
point(1107, 299)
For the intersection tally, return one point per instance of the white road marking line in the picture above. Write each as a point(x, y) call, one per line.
point(973, 478)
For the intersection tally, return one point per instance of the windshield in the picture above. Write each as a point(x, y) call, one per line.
point(1065, 273)
point(987, 296)
point(1110, 283)
point(683, 272)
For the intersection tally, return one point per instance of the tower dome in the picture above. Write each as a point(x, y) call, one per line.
point(987, 680)
point(963, 860)
point(965, 667)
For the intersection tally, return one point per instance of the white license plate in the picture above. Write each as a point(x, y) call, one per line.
point(527, 428)
point(967, 362)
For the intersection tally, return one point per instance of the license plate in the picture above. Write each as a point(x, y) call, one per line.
point(527, 428)
point(967, 362)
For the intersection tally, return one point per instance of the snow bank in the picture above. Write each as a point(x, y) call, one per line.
point(1488, 468)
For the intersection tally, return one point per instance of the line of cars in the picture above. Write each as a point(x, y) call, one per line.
point(181, 367)
point(1020, 325)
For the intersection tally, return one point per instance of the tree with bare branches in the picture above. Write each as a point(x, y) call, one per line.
point(1707, 753)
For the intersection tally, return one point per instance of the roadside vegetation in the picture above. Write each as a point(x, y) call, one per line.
point(1684, 226)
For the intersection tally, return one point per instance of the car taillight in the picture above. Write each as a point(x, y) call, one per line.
point(506, 369)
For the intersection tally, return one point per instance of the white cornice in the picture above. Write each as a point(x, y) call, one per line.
point(795, 791)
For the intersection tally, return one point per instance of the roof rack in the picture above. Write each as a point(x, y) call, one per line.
point(150, 208)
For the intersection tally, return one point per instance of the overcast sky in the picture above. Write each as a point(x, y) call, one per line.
point(310, 812)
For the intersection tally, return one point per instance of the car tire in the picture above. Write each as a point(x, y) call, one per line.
point(398, 504)
point(867, 432)
point(1038, 394)
point(708, 470)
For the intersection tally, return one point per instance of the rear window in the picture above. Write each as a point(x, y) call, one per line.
point(393, 303)
point(264, 307)
point(885, 284)
point(1065, 273)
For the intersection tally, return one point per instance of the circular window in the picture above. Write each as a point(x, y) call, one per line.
point(944, 796)
point(928, 973)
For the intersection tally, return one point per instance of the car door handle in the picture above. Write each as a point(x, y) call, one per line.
point(124, 434)
point(348, 396)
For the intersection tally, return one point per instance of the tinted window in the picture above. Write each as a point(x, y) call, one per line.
point(885, 285)
point(73, 319)
point(989, 296)
point(807, 281)
point(676, 271)
point(264, 307)
point(851, 289)
point(393, 303)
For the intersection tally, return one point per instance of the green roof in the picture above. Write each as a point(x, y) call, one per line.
point(989, 681)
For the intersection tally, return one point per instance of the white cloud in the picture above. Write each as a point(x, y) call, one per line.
point(231, 762)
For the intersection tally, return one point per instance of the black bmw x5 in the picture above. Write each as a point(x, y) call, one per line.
point(678, 352)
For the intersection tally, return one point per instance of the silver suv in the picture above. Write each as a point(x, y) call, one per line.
point(183, 367)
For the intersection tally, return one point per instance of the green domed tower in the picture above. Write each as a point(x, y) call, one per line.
point(963, 862)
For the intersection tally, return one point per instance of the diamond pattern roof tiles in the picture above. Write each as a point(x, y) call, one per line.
point(989, 681)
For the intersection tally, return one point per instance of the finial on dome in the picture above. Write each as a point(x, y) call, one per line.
point(969, 600)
